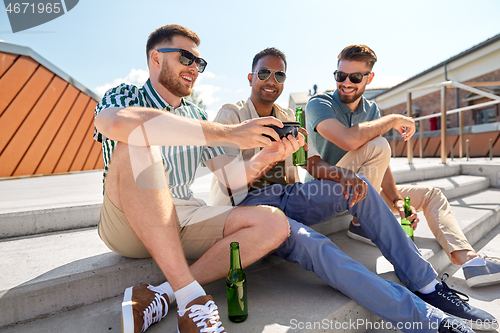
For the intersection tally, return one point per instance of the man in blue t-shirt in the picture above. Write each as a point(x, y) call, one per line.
point(346, 130)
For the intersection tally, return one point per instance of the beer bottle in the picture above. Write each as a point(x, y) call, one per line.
point(236, 286)
point(405, 222)
point(300, 156)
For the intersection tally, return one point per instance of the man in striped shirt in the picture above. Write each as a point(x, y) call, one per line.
point(153, 141)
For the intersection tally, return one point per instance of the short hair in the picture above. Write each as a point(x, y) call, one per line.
point(358, 53)
point(269, 51)
point(165, 34)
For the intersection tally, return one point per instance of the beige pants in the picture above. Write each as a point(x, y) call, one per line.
point(201, 226)
point(437, 212)
point(372, 159)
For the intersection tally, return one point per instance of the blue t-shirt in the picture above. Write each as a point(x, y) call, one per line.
point(328, 105)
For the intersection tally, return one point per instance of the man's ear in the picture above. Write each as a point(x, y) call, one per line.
point(155, 59)
point(250, 77)
point(370, 77)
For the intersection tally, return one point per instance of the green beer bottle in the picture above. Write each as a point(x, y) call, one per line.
point(236, 286)
point(406, 223)
point(300, 156)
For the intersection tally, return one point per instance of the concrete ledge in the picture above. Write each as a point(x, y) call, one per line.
point(455, 186)
point(48, 220)
point(492, 171)
point(63, 271)
point(282, 296)
point(410, 173)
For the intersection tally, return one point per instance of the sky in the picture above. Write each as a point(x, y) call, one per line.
point(101, 43)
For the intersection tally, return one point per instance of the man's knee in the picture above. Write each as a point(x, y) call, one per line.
point(435, 196)
point(273, 220)
point(380, 147)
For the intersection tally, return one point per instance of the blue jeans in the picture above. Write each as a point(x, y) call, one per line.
point(313, 202)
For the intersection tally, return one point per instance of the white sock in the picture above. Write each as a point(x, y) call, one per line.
point(355, 224)
point(477, 261)
point(167, 289)
point(428, 288)
point(187, 294)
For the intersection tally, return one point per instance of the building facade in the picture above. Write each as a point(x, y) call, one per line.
point(478, 67)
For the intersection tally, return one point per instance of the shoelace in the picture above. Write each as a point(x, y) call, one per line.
point(452, 294)
point(154, 312)
point(484, 256)
point(200, 314)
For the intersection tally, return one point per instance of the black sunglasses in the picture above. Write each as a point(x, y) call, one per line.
point(264, 74)
point(353, 77)
point(186, 58)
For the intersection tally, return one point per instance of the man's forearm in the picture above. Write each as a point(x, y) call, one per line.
point(255, 168)
point(351, 138)
point(151, 127)
point(321, 169)
point(389, 186)
point(369, 130)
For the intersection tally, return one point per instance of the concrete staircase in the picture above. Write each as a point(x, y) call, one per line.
point(56, 274)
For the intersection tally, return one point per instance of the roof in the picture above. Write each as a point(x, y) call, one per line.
point(26, 51)
point(47, 118)
point(473, 49)
point(300, 98)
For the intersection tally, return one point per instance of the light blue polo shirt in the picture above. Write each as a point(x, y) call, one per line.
point(328, 105)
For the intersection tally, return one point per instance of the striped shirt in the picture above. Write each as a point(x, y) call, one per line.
point(180, 162)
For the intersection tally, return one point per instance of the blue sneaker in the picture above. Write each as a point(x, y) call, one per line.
point(357, 233)
point(478, 276)
point(450, 302)
point(453, 325)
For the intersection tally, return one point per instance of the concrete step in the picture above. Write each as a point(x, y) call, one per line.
point(406, 173)
point(38, 205)
point(272, 284)
point(55, 272)
point(455, 186)
point(283, 298)
point(431, 168)
point(69, 270)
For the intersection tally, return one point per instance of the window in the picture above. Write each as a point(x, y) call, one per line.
point(485, 116)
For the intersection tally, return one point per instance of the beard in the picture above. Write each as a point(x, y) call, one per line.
point(173, 84)
point(348, 99)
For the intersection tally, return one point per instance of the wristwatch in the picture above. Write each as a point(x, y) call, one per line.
point(394, 201)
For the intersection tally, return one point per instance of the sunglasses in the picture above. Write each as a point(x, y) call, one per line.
point(264, 74)
point(186, 58)
point(353, 77)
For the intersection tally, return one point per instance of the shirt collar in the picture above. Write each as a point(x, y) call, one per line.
point(278, 111)
point(155, 99)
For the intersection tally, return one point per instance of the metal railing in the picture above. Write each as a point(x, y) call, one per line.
point(442, 86)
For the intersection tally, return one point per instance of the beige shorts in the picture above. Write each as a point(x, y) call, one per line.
point(201, 226)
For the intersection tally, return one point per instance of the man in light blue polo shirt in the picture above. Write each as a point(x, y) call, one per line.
point(327, 106)
point(346, 130)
